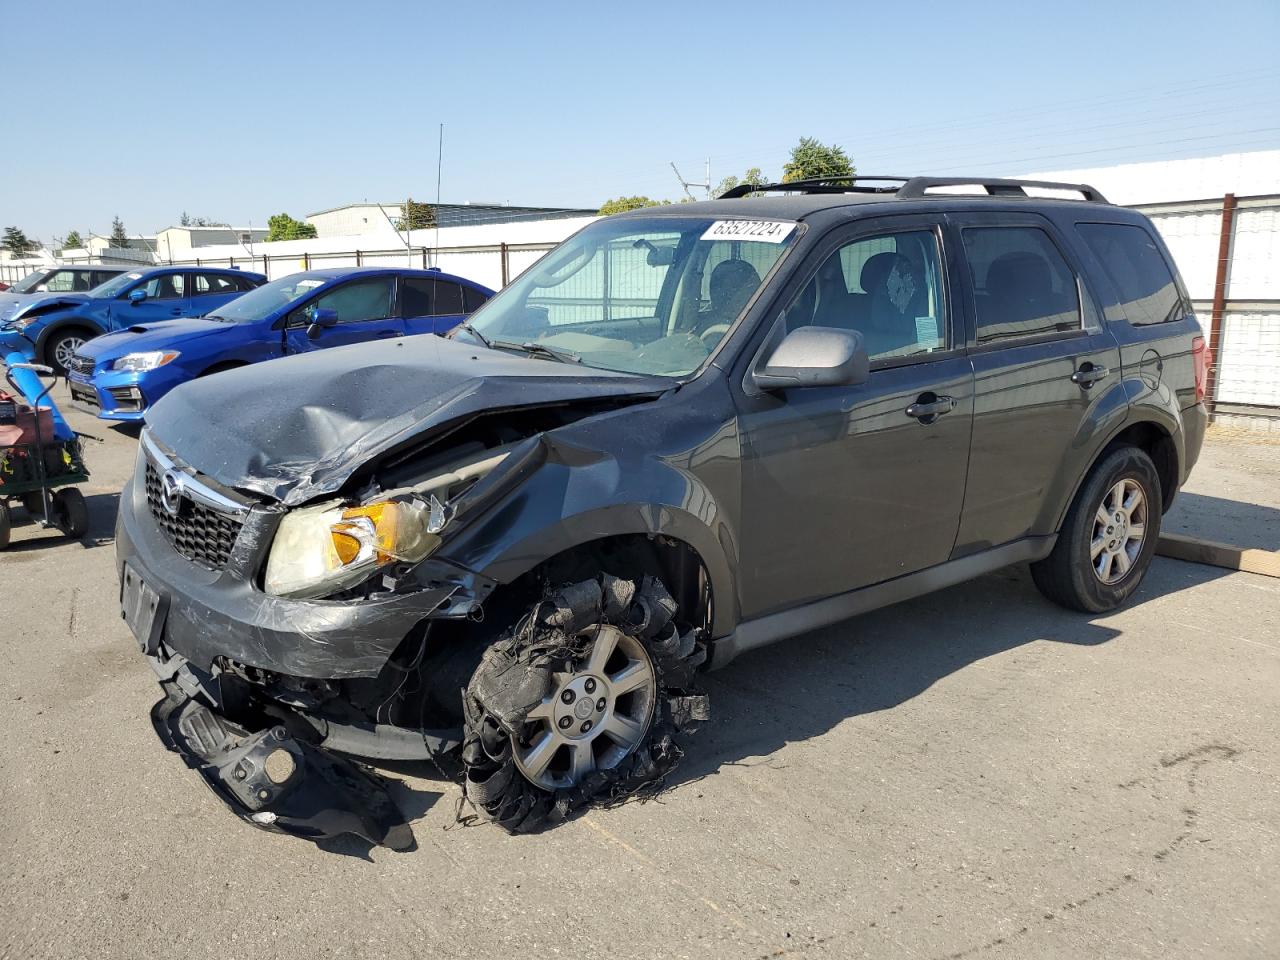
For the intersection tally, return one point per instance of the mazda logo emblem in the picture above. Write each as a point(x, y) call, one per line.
point(171, 492)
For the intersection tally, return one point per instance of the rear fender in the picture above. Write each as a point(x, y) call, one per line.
point(1097, 435)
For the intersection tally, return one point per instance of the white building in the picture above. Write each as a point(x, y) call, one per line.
point(357, 219)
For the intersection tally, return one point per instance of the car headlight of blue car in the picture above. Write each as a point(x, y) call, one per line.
point(142, 362)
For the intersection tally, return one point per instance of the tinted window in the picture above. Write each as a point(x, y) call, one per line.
point(100, 277)
point(245, 283)
point(1139, 271)
point(448, 299)
point(359, 300)
point(415, 296)
point(1022, 285)
point(473, 299)
point(212, 283)
point(889, 288)
point(170, 286)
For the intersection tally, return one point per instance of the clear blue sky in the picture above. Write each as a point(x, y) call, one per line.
point(234, 111)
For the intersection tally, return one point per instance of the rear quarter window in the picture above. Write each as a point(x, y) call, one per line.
point(1134, 264)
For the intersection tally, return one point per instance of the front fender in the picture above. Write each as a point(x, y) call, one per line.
point(61, 321)
point(574, 496)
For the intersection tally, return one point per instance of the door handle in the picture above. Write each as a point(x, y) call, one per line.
point(1089, 374)
point(383, 334)
point(176, 311)
point(929, 407)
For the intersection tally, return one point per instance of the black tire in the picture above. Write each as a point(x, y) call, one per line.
point(33, 503)
point(6, 524)
point(1067, 576)
point(60, 341)
point(524, 672)
point(70, 513)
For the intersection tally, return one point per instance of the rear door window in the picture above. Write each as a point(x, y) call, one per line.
point(448, 299)
point(473, 299)
point(1141, 275)
point(61, 281)
point(1022, 285)
point(207, 284)
point(416, 296)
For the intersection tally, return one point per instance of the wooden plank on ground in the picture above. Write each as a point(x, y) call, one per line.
point(1195, 550)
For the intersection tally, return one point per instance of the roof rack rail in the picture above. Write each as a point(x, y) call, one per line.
point(816, 185)
point(918, 187)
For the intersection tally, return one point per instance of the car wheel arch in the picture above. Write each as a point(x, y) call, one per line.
point(49, 333)
point(222, 366)
point(1149, 432)
point(687, 551)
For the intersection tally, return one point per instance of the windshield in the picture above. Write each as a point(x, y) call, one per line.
point(28, 283)
point(267, 299)
point(115, 284)
point(647, 295)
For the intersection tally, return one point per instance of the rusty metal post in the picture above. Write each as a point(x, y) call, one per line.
point(266, 267)
point(359, 259)
point(506, 263)
point(1214, 333)
point(306, 260)
point(424, 258)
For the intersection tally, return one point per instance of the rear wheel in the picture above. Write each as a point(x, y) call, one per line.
point(1109, 536)
point(33, 503)
point(579, 700)
point(62, 346)
point(70, 513)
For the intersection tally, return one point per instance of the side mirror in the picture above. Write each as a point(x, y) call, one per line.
point(138, 295)
point(322, 318)
point(815, 357)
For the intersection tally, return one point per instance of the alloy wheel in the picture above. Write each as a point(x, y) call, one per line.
point(65, 350)
point(1119, 529)
point(596, 717)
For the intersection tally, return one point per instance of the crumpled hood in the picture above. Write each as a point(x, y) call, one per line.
point(297, 428)
point(11, 303)
point(163, 335)
point(37, 300)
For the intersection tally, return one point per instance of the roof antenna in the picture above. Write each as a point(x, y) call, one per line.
point(439, 167)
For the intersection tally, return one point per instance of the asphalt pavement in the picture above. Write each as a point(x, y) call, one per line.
point(973, 774)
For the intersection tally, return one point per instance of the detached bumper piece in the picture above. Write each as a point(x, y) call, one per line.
point(276, 781)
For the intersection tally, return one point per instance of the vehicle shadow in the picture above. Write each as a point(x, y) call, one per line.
point(1250, 525)
point(803, 687)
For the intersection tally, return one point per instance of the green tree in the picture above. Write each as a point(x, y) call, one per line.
point(753, 176)
point(810, 159)
point(186, 220)
point(118, 236)
point(284, 227)
point(620, 204)
point(417, 216)
point(73, 240)
point(17, 242)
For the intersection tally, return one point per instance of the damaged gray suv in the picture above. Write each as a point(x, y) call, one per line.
point(684, 433)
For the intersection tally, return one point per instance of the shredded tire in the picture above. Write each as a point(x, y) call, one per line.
point(518, 671)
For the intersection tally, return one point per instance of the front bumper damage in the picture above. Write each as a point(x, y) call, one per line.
point(276, 781)
point(280, 762)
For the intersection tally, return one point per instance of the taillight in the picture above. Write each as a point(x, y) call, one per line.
point(1200, 360)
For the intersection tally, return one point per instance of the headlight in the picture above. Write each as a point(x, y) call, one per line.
point(140, 362)
point(319, 550)
point(23, 323)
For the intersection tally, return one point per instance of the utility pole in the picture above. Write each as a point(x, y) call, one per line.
point(686, 184)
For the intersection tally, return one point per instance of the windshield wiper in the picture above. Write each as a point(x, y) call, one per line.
point(465, 325)
point(539, 350)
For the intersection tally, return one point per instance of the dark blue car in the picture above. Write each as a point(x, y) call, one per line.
point(121, 375)
point(60, 323)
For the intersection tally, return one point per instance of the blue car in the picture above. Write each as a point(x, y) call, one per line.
point(56, 279)
point(59, 324)
point(119, 376)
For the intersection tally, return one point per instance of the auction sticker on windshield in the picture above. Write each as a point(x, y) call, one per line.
point(761, 231)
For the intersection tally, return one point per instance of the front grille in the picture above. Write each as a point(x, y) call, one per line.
point(82, 365)
point(199, 533)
